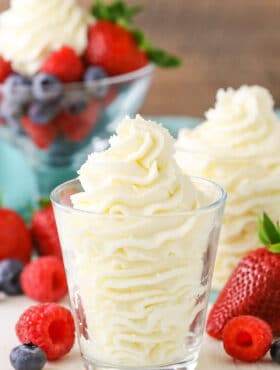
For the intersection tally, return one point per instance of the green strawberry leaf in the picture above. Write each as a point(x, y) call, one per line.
point(274, 248)
point(264, 238)
point(269, 233)
point(163, 59)
point(44, 202)
point(118, 12)
point(271, 229)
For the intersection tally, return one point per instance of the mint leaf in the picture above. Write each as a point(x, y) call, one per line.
point(163, 59)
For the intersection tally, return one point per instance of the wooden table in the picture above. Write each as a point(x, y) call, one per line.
point(212, 355)
point(223, 43)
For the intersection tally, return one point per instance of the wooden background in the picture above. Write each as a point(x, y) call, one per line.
point(222, 42)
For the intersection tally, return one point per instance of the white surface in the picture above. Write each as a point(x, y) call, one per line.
point(212, 355)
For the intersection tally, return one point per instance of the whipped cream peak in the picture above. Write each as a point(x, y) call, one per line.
point(238, 147)
point(137, 175)
point(242, 123)
point(233, 105)
point(31, 29)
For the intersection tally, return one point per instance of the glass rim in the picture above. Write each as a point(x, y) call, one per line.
point(209, 207)
point(107, 81)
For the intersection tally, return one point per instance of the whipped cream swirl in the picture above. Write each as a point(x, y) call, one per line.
point(238, 147)
point(136, 260)
point(31, 29)
point(136, 175)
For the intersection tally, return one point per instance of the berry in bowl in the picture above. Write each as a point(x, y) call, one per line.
point(67, 78)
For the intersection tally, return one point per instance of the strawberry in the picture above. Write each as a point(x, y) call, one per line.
point(15, 238)
point(113, 48)
point(42, 135)
point(115, 45)
point(5, 69)
point(64, 64)
point(254, 287)
point(44, 232)
point(78, 127)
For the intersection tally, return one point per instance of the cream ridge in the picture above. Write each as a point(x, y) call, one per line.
point(136, 252)
point(31, 29)
point(237, 146)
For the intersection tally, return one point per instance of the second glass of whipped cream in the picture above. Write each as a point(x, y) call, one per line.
point(237, 146)
point(139, 241)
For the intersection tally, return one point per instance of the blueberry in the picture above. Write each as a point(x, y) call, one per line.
point(46, 87)
point(17, 89)
point(10, 270)
point(275, 351)
point(43, 112)
point(94, 74)
point(28, 357)
point(75, 101)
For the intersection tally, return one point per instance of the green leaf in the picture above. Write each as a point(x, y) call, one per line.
point(163, 59)
point(264, 238)
point(116, 12)
point(271, 229)
point(274, 248)
point(141, 40)
point(44, 202)
point(269, 233)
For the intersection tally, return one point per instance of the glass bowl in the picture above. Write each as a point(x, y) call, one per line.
point(79, 121)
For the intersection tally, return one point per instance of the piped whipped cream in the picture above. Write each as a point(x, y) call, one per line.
point(31, 29)
point(238, 147)
point(136, 257)
point(136, 175)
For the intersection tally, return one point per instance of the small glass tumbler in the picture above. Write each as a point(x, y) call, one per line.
point(139, 285)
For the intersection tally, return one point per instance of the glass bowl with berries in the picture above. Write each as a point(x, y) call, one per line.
point(67, 77)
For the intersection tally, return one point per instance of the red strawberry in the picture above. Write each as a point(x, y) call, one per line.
point(247, 338)
point(254, 287)
point(15, 239)
point(42, 135)
point(77, 127)
point(113, 48)
point(65, 64)
point(44, 232)
point(5, 69)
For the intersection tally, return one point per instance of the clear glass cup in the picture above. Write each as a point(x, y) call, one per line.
point(252, 185)
point(81, 119)
point(139, 285)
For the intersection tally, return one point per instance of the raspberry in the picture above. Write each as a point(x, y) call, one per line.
point(64, 64)
point(48, 326)
point(44, 279)
point(5, 69)
point(247, 338)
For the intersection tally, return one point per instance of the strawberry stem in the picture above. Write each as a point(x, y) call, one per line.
point(44, 202)
point(118, 12)
point(269, 233)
